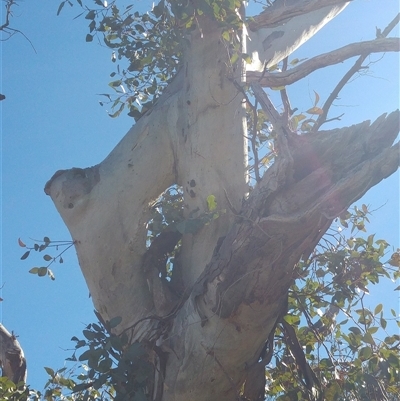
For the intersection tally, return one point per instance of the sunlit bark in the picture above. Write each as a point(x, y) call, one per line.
point(237, 269)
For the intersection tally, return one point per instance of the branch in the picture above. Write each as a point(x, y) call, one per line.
point(11, 31)
point(12, 360)
point(324, 60)
point(279, 12)
point(327, 105)
point(9, 4)
point(392, 24)
point(356, 67)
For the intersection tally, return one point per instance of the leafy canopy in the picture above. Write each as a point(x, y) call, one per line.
point(148, 45)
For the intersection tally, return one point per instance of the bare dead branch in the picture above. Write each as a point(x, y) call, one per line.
point(11, 31)
point(9, 4)
point(327, 105)
point(324, 60)
point(279, 124)
point(287, 110)
point(391, 25)
point(281, 11)
point(266, 104)
point(354, 69)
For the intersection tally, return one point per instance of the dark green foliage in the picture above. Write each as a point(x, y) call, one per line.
point(347, 344)
point(112, 369)
point(10, 391)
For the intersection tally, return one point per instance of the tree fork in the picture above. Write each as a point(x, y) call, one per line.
point(194, 137)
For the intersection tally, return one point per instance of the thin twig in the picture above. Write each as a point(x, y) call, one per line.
point(12, 31)
point(355, 68)
point(254, 142)
point(9, 4)
point(287, 110)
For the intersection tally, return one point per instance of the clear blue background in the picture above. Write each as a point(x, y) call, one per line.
point(51, 120)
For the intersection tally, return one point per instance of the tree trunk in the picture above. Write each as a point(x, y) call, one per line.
point(237, 269)
point(12, 359)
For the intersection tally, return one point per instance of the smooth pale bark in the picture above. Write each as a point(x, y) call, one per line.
point(12, 359)
point(243, 289)
point(333, 57)
point(279, 31)
point(236, 270)
point(212, 149)
point(106, 209)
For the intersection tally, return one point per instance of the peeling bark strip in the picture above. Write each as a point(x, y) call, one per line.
point(12, 359)
point(234, 272)
point(246, 282)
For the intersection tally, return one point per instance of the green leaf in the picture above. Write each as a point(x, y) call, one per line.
point(368, 338)
point(105, 365)
point(47, 258)
point(394, 360)
point(332, 391)
point(85, 355)
point(60, 7)
point(91, 15)
point(79, 387)
point(226, 35)
point(49, 371)
point(247, 58)
point(211, 203)
point(116, 343)
point(293, 320)
point(355, 330)
point(370, 239)
point(378, 309)
point(115, 84)
point(234, 57)
point(25, 255)
point(42, 271)
point(34, 270)
point(46, 240)
point(89, 37)
point(365, 353)
point(90, 335)
point(115, 321)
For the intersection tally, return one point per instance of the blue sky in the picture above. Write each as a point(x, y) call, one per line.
point(51, 120)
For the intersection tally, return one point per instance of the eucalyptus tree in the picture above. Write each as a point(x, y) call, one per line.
point(197, 244)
